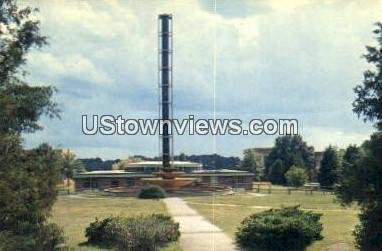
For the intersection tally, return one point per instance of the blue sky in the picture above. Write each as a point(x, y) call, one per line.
point(274, 59)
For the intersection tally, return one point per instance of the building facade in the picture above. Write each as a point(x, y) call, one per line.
point(133, 173)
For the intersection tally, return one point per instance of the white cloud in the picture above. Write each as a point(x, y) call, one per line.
point(320, 138)
point(298, 58)
point(68, 66)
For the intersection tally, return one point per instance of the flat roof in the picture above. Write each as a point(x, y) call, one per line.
point(159, 163)
point(124, 174)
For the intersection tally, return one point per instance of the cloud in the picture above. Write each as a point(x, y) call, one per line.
point(297, 59)
point(236, 9)
point(67, 66)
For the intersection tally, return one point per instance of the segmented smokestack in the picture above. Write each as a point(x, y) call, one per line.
point(165, 85)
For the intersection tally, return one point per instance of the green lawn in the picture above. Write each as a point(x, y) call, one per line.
point(74, 213)
point(228, 211)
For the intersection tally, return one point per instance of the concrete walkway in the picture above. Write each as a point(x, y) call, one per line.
point(198, 234)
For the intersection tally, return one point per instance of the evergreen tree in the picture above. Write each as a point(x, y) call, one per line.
point(329, 167)
point(348, 179)
point(290, 150)
point(277, 172)
point(361, 181)
point(361, 177)
point(249, 163)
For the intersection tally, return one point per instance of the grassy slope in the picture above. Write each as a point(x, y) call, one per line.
point(338, 221)
point(75, 213)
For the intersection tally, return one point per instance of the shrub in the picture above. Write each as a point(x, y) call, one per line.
point(47, 237)
point(96, 232)
point(296, 176)
point(280, 229)
point(151, 192)
point(133, 233)
point(50, 236)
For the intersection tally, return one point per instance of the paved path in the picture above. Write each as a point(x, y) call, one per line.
point(198, 234)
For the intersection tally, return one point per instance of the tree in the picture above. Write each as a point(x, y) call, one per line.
point(249, 163)
point(361, 181)
point(182, 157)
point(70, 166)
point(276, 172)
point(361, 177)
point(290, 150)
point(349, 183)
point(296, 176)
point(21, 105)
point(329, 168)
point(28, 178)
point(28, 190)
point(121, 164)
point(368, 102)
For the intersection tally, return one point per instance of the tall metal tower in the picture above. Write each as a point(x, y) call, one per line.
point(165, 88)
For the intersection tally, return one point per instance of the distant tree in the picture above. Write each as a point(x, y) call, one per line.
point(214, 161)
point(329, 168)
point(121, 164)
point(349, 181)
point(249, 163)
point(94, 164)
point(70, 166)
point(296, 176)
point(290, 150)
point(182, 157)
point(368, 102)
point(277, 172)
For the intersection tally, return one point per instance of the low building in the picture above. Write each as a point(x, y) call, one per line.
point(134, 172)
point(155, 166)
point(226, 177)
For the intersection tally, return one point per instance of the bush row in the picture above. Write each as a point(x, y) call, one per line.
point(144, 233)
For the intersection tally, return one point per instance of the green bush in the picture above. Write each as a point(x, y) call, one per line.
point(280, 229)
point(296, 176)
point(48, 237)
point(96, 232)
point(152, 192)
point(133, 233)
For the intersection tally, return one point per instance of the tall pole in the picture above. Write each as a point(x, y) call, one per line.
point(165, 85)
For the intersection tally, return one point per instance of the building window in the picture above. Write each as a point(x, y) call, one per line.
point(86, 184)
point(94, 184)
point(130, 183)
point(214, 180)
point(240, 180)
point(114, 183)
point(90, 184)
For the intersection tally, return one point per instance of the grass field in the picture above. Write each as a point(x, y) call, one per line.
point(74, 213)
point(229, 210)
